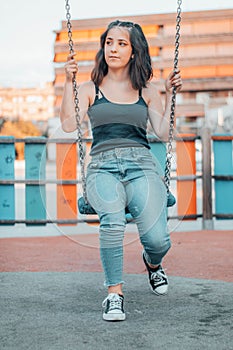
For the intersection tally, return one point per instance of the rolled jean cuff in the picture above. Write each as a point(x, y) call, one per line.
point(156, 260)
point(112, 284)
point(148, 259)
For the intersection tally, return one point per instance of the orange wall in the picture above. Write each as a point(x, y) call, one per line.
point(204, 71)
point(202, 27)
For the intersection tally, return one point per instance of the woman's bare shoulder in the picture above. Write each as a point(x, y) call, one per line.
point(150, 91)
point(86, 91)
point(87, 86)
point(151, 87)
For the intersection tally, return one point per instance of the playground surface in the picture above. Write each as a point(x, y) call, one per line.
point(52, 289)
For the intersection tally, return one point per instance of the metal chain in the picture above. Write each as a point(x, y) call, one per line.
point(76, 103)
point(167, 176)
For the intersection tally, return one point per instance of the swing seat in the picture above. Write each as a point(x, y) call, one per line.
point(86, 209)
point(171, 200)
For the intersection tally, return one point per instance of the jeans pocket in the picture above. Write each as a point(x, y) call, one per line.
point(149, 163)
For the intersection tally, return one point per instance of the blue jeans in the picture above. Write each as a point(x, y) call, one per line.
point(129, 177)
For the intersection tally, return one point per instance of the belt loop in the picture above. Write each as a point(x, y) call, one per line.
point(134, 152)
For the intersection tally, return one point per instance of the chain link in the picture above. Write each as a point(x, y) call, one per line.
point(76, 102)
point(167, 175)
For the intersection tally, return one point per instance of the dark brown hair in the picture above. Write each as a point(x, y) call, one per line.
point(140, 69)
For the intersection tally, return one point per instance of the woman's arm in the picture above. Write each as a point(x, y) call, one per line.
point(159, 116)
point(67, 111)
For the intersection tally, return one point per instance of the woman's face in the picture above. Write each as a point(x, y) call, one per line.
point(117, 48)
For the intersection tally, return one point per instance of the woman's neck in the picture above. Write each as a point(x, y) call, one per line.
point(121, 76)
point(111, 84)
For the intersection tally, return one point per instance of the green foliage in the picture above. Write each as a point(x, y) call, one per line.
point(19, 129)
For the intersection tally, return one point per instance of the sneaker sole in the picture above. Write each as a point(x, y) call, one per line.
point(114, 317)
point(156, 293)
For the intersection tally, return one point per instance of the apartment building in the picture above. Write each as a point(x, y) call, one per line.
point(206, 58)
point(29, 104)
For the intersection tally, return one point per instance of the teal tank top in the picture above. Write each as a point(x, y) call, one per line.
point(117, 125)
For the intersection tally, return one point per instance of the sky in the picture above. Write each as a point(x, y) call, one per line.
point(27, 30)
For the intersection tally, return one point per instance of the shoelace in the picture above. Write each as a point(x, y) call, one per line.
point(114, 300)
point(158, 276)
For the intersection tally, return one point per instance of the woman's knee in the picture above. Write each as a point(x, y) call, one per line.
point(156, 242)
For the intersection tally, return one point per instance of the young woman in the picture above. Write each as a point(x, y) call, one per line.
point(122, 173)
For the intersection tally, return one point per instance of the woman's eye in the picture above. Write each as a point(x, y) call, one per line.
point(108, 42)
point(122, 44)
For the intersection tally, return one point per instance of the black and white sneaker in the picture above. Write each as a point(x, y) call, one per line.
point(114, 309)
point(157, 278)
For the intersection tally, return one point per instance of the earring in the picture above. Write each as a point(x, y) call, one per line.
point(132, 57)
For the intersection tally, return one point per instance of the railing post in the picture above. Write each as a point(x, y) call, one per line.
point(35, 164)
point(207, 219)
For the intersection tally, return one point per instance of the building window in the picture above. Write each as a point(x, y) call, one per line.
point(34, 98)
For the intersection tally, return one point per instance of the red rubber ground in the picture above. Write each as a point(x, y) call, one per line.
point(200, 254)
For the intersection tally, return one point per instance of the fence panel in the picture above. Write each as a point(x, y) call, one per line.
point(7, 172)
point(223, 175)
point(66, 162)
point(35, 162)
point(186, 172)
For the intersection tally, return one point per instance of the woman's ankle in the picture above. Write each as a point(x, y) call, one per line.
point(153, 266)
point(115, 289)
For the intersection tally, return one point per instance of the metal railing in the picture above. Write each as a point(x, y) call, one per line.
point(36, 180)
